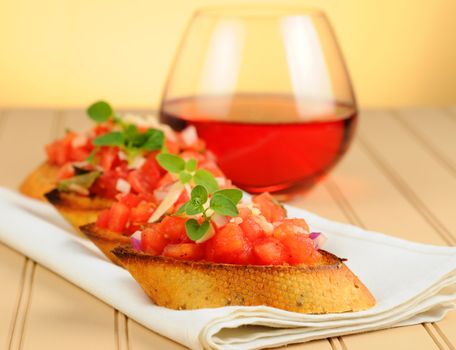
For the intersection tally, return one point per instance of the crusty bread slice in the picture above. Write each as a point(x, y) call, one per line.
point(105, 240)
point(327, 287)
point(78, 210)
point(42, 180)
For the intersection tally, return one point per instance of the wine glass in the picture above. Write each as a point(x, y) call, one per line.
point(267, 88)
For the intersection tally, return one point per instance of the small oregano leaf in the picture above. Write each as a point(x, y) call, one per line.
point(205, 178)
point(195, 231)
point(110, 139)
point(171, 162)
point(191, 164)
point(223, 205)
point(233, 194)
point(99, 111)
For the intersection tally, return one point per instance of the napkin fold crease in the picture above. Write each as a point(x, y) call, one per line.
point(412, 282)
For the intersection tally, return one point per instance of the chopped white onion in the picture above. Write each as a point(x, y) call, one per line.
point(122, 155)
point(79, 141)
point(137, 162)
point(219, 220)
point(136, 235)
point(266, 226)
point(173, 195)
point(221, 181)
point(189, 135)
point(123, 186)
point(237, 220)
point(319, 239)
point(160, 193)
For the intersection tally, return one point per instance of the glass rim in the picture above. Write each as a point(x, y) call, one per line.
point(257, 11)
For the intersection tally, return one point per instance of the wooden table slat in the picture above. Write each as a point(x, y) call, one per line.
point(421, 174)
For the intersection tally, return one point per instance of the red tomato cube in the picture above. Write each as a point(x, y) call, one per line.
point(118, 217)
point(173, 228)
point(270, 251)
point(269, 207)
point(153, 240)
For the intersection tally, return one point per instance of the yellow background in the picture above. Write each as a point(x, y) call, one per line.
point(70, 52)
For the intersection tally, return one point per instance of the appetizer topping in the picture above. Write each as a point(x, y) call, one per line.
point(79, 183)
point(123, 186)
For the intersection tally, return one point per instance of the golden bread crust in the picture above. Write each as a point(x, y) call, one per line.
point(42, 180)
point(78, 210)
point(105, 240)
point(327, 287)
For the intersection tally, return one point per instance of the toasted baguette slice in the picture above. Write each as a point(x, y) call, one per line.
point(76, 209)
point(326, 287)
point(42, 180)
point(105, 240)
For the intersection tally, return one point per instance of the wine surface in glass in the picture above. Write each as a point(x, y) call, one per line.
point(266, 142)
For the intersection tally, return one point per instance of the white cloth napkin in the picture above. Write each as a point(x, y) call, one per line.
point(412, 282)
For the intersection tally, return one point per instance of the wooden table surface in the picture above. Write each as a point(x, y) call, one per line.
point(399, 177)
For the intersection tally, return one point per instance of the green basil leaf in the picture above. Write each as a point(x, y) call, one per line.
point(205, 178)
point(155, 140)
point(171, 162)
point(195, 231)
point(99, 111)
point(191, 164)
point(84, 180)
point(233, 194)
point(185, 177)
point(199, 193)
point(110, 139)
point(223, 205)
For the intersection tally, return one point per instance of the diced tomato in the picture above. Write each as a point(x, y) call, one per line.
point(105, 186)
point(79, 154)
point(300, 250)
point(65, 172)
point(172, 146)
point(212, 168)
point(184, 251)
point(200, 158)
point(103, 219)
point(132, 228)
point(142, 212)
point(151, 166)
point(107, 157)
point(118, 217)
point(290, 227)
point(269, 207)
point(270, 251)
point(252, 230)
point(173, 228)
point(58, 152)
point(142, 182)
point(244, 212)
point(152, 239)
point(229, 246)
point(131, 200)
point(101, 129)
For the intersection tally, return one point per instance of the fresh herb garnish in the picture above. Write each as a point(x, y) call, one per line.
point(222, 202)
point(129, 138)
point(100, 111)
point(84, 181)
